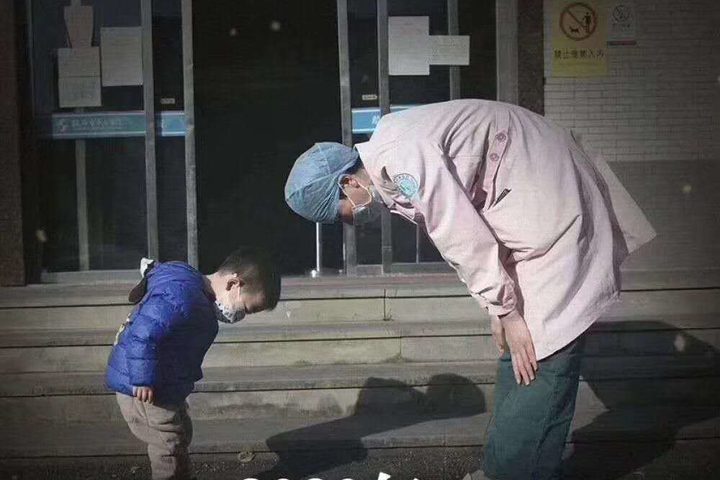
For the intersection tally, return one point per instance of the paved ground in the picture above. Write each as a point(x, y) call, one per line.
point(686, 460)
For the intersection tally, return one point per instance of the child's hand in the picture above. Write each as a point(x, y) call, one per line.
point(144, 394)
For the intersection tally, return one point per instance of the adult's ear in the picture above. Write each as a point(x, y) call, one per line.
point(349, 181)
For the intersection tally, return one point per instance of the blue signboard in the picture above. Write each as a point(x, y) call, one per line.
point(364, 120)
point(68, 126)
point(108, 125)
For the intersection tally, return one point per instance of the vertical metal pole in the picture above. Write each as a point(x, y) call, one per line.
point(189, 102)
point(454, 80)
point(80, 185)
point(349, 234)
point(506, 12)
point(149, 102)
point(318, 248)
point(383, 65)
point(82, 210)
point(384, 101)
point(453, 29)
point(417, 243)
point(30, 49)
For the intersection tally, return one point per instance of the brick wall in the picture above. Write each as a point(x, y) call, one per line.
point(656, 117)
point(660, 99)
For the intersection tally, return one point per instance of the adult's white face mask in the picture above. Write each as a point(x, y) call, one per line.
point(369, 211)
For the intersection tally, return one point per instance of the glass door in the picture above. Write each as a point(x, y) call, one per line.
point(112, 101)
point(373, 84)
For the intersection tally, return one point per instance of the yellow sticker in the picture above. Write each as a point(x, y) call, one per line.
point(120, 330)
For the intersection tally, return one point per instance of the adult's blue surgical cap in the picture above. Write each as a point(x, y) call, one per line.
point(312, 189)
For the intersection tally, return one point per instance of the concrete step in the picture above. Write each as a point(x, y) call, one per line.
point(635, 306)
point(445, 303)
point(279, 392)
point(369, 343)
point(307, 311)
point(63, 336)
point(223, 379)
point(374, 342)
point(243, 333)
point(371, 364)
point(378, 396)
point(294, 288)
point(357, 432)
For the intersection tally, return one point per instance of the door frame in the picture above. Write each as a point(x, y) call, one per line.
point(506, 12)
point(145, 123)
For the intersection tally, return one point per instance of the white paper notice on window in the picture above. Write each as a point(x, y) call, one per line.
point(408, 45)
point(79, 25)
point(121, 56)
point(449, 50)
point(79, 62)
point(77, 92)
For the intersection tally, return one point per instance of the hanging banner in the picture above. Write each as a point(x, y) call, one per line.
point(579, 36)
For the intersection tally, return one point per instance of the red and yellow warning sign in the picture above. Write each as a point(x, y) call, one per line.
point(579, 45)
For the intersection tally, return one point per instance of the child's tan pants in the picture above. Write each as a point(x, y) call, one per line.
point(167, 430)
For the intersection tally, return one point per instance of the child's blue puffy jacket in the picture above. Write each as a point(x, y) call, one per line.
point(166, 336)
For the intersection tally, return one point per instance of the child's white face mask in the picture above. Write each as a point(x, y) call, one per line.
point(227, 314)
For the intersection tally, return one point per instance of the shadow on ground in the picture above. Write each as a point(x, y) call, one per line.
point(666, 388)
point(326, 446)
point(642, 417)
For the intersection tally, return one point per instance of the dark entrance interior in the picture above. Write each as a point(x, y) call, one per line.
point(266, 88)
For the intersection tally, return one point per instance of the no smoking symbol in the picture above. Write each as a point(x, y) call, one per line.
point(578, 21)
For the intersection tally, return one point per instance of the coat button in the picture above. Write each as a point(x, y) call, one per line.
point(500, 137)
point(494, 157)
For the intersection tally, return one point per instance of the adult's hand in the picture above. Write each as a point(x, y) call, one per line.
point(518, 340)
point(144, 394)
point(498, 333)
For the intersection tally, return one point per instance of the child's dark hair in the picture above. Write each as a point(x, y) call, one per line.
point(258, 270)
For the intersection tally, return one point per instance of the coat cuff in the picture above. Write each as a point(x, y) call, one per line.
point(496, 309)
point(142, 374)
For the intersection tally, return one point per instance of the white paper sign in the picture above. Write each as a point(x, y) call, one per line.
point(622, 23)
point(79, 62)
point(449, 50)
point(79, 24)
point(408, 26)
point(121, 56)
point(408, 45)
point(79, 92)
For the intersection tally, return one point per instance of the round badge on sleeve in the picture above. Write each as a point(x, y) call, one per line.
point(407, 184)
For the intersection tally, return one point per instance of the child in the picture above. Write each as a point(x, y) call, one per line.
point(159, 350)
